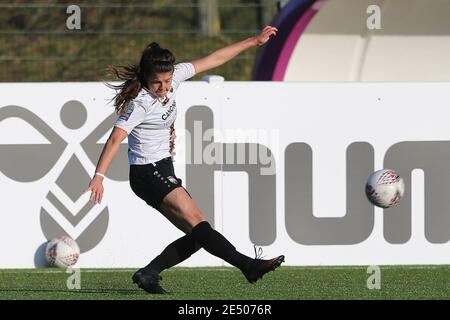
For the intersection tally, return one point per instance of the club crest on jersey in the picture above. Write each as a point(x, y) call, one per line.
point(172, 179)
point(125, 116)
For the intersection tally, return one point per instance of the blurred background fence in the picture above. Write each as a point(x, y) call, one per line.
point(36, 44)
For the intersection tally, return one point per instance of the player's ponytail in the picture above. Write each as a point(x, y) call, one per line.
point(129, 89)
point(154, 60)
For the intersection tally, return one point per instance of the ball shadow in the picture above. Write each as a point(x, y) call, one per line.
point(39, 256)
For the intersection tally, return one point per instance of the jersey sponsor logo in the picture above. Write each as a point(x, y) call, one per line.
point(169, 111)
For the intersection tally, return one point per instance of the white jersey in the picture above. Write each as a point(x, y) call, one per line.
point(147, 121)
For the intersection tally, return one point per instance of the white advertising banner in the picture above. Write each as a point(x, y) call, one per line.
point(281, 166)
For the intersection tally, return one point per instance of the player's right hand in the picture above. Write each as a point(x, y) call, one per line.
point(96, 188)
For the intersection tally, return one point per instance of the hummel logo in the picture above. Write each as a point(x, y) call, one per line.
point(63, 212)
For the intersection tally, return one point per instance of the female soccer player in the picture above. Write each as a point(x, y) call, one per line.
point(146, 104)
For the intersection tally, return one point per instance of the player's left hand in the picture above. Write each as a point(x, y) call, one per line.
point(265, 35)
point(96, 188)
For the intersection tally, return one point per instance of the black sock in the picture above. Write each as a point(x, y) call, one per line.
point(174, 253)
point(216, 244)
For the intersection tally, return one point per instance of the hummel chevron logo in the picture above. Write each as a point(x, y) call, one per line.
point(65, 212)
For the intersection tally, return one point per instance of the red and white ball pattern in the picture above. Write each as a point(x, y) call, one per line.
point(62, 252)
point(385, 188)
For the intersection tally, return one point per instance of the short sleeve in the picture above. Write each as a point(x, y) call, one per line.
point(131, 118)
point(183, 71)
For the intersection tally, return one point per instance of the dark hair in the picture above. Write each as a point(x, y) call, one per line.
point(154, 60)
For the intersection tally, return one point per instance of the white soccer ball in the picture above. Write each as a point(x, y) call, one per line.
point(62, 252)
point(385, 188)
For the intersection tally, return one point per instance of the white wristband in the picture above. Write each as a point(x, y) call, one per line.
point(99, 174)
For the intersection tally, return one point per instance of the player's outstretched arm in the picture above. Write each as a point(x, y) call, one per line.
point(108, 154)
point(227, 53)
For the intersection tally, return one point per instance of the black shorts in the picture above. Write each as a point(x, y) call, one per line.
point(152, 182)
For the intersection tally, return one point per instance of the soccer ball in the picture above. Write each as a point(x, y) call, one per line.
point(62, 252)
point(385, 188)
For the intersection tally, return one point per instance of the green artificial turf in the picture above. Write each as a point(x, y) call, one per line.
point(286, 283)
